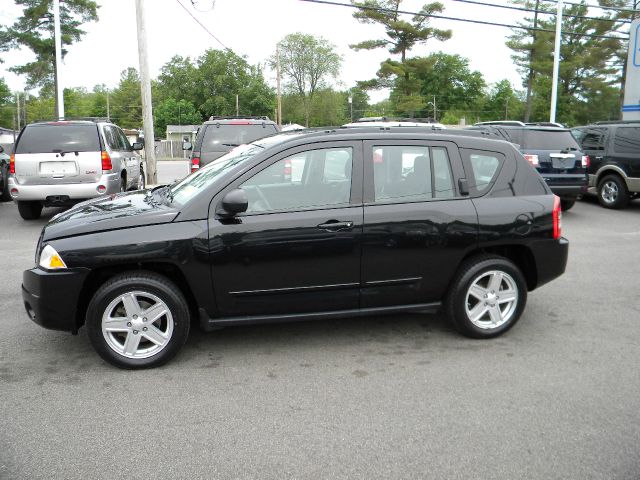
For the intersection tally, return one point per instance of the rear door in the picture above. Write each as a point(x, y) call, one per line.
point(129, 157)
point(296, 249)
point(116, 149)
point(417, 226)
point(626, 149)
point(58, 153)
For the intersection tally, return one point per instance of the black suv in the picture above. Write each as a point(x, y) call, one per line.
point(552, 150)
point(221, 134)
point(614, 150)
point(365, 221)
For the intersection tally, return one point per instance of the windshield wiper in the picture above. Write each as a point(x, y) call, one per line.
point(64, 152)
point(230, 144)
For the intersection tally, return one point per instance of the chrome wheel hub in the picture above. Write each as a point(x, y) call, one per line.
point(609, 192)
point(137, 325)
point(491, 299)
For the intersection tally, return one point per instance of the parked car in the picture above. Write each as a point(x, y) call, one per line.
point(371, 221)
point(64, 162)
point(552, 150)
point(614, 150)
point(221, 134)
point(5, 160)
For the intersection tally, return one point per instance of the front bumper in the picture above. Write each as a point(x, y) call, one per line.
point(51, 298)
point(73, 191)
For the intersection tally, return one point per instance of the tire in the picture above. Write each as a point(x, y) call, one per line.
point(567, 203)
point(30, 210)
point(144, 292)
point(123, 183)
point(612, 192)
point(142, 183)
point(5, 196)
point(478, 272)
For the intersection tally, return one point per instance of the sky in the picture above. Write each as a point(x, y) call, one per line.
point(252, 28)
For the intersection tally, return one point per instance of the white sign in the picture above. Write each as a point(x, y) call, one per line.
point(631, 107)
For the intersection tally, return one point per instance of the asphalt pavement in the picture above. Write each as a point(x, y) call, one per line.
point(398, 397)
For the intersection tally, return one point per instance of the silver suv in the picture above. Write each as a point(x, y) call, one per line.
point(62, 163)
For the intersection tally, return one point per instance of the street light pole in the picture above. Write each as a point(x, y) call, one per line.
point(556, 62)
point(58, 45)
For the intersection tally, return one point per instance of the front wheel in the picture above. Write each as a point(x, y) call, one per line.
point(30, 210)
point(138, 320)
point(487, 297)
point(612, 192)
point(141, 179)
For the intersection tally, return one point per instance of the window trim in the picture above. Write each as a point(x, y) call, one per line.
point(356, 177)
point(455, 166)
point(466, 160)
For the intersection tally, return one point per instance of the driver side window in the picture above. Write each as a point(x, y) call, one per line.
point(316, 178)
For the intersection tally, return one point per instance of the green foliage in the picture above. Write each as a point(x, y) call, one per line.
point(503, 103)
point(174, 112)
point(6, 105)
point(589, 67)
point(125, 100)
point(34, 30)
point(306, 62)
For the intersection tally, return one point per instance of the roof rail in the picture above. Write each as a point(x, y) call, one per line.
point(75, 119)
point(510, 123)
point(545, 124)
point(613, 122)
point(238, 117)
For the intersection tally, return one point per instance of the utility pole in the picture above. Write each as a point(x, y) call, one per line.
point(556, 62)
point(108, 112)
point(506, 109)
point(435, 110)
point(527, 111)
point(237, 105)
point(145, 86)
point(58, 43)
point(351, 106)
point(18, 109)
point(279, 108)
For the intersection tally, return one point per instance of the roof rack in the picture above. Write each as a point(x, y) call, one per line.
point(75, 119)
point(510, 123)
point(544, 124)
point(238, 117)
point(614, 122)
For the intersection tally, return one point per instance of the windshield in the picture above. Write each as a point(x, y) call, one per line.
point(549, 140)
point(185, 190)
point(218, 137)
point(59, 138)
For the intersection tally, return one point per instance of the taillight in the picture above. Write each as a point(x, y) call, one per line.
point(586, 161)
point(12, 163)
point(557, 218)
point(532, 159)
point(106, 161)
point(195, 164)
point(287, 170)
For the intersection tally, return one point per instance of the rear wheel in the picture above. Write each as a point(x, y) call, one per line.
point(567, 203)
point(612, 192)
point(138, 320)
point(30, 210)
point(141, 179)
point(5, 196)
point(487, 297)
point(123, 183)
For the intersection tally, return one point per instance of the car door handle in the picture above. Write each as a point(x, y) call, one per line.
point(598, 158)
point(334, 225)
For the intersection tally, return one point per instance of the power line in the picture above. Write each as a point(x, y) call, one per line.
point(456, 19)
point(202, 25)
point(617, 9)
point(545, 12)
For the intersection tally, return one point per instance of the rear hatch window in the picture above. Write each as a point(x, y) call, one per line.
point(549, 140)
point(223, 137)
point(59, 139)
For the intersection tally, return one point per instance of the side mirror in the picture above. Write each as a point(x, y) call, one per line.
point(234, 202)
point(463, 186)
point(187, 146)
point(137, 146)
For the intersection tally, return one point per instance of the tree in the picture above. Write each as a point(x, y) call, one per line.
point(6, 106)
point(307, 62)
point(401, 36)
point(34, 30)
point(503, 103)
point(126, 104)
point(589, 66)
point(174, 112)
point(178, 79)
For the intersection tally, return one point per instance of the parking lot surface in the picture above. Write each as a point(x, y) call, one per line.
point(400, 396)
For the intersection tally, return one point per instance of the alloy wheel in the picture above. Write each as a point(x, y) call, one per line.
point(491, 299)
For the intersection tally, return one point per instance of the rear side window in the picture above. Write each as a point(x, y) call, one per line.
point(627, 140)
point(411, 173)
point(592, 140)
point(59, 138)
point(484, 168)
point(549, 140)
point(219, 137)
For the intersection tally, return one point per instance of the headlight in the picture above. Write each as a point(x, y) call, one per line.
point(50, 259)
